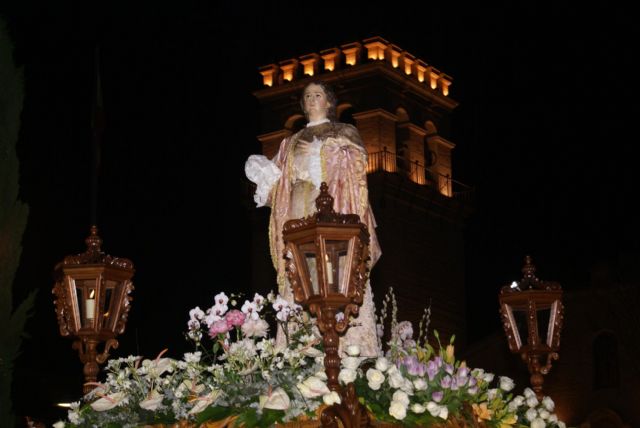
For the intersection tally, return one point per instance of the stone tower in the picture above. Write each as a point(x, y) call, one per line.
point(401, 107)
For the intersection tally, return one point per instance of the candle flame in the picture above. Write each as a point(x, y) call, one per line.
point(92, 294)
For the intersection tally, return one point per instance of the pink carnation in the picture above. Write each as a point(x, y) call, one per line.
point(219, 327)
point(235, 318)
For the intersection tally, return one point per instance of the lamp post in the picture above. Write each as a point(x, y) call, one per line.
point(326, 258)
point(528, 309)
point(92, 302)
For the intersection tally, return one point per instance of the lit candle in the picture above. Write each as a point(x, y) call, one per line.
point(329, 269)
point(90, 306)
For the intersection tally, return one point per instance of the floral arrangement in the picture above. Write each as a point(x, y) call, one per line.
point(241, 377)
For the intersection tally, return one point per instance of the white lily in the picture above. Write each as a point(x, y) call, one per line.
point(205, 401)
point(277, 400)
point(108, 402)
point(153, 401)
point(313, 387)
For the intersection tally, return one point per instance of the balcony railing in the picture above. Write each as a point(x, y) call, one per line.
point(390, 162)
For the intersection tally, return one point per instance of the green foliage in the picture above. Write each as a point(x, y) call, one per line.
point(13, 219)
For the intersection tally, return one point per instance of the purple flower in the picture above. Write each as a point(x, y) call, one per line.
point(445, 382)
point(414, 367)
point(437, 396)
point(438, 361)
point(472, 381)
point(448, 368)
point(432, 369)
point(473, 390)
point(463, 371)
point(454, 383)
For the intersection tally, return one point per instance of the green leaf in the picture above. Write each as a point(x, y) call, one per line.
point(214, 413)
point(247, 419)
point(453, 337)
point(270, 417)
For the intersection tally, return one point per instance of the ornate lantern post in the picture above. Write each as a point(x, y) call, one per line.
point(92, 302)
point(528, 309)
point(326, 259)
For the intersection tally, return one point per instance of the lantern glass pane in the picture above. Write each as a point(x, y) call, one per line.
point(336, 260)
point(520, 325)
point(110, 286)
point(308, 251)
point(554, 313)
point(542, 318)
point(86, 294)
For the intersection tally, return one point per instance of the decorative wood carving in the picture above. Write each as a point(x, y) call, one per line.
point(92, 302)
point(531, 297)
point(320, 235)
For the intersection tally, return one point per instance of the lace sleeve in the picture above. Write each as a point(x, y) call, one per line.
point(264, 173)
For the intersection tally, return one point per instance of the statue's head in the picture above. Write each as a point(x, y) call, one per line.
point(318, 101)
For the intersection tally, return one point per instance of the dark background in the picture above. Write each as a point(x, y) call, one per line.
point(545, 132)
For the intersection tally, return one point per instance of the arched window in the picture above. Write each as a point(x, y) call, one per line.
point(605, 361)
point(295, 123)
point(345, 114)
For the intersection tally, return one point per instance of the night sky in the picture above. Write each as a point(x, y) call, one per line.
point(545, 133)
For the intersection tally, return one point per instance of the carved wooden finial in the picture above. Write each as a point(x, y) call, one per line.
point(529, 279)
point(93, 241)
point(324, 201)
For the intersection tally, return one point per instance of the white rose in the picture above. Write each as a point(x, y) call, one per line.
point(548, 403)
point(398, 410)
point(487, 377)
point(544, 414)
point(561, 424)
point(375, 376)
point(532, 401)
point(506, 384)
point(382, 364)
point(374, 386)
point(528, 392)
point(553, 418)
point(396, 380)
point(351, 362)
point(444, 412)
point(420, 384)
point(519, 400)
point(401, 397)
point(331, 398)
point(531, 414)
point(433, 408)
point(353, 350)
point(58, 424)
point(538, 423)
point(347, 376)
point(407, 387)
point(492, 393)
point(418, 408)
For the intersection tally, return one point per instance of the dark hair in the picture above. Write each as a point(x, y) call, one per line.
point(331, 98)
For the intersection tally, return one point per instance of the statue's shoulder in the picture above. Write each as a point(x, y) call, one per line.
point(348, 131)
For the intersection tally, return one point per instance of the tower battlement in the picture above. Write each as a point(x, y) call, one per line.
point(371, 50)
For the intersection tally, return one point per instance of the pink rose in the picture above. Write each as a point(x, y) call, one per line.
point(235, 318)
point(218, 327)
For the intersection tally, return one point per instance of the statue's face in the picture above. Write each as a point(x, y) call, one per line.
point(315, 102)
